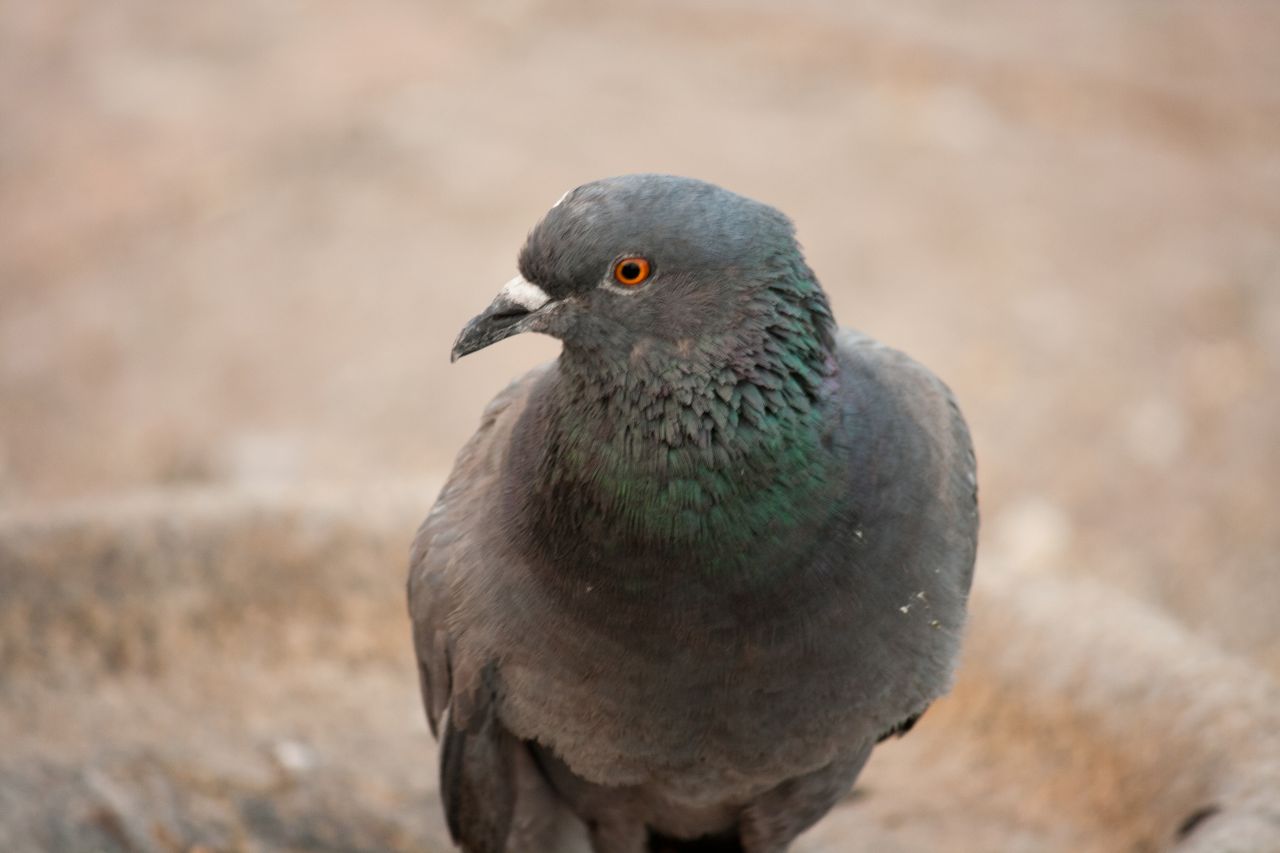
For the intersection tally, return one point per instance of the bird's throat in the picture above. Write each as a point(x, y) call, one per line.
point(684, 461)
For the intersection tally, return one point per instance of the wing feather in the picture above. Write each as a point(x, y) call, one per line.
point(477, 765)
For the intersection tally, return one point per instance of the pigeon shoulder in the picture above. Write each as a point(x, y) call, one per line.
point(482, 766)
point(915, 414)
point(439, 555)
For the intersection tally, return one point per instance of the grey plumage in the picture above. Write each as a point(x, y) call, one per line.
point(684, 578)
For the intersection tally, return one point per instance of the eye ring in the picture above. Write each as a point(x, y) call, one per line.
point(632, 271)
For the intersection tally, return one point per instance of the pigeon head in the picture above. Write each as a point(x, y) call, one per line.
point(653, 261)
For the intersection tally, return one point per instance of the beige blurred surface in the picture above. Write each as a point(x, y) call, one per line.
point(236, 241)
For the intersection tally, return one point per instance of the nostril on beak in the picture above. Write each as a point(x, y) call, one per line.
point(509, 312)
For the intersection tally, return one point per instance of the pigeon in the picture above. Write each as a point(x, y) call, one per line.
point(686, 576)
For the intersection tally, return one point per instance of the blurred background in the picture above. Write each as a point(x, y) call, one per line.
point(237, 240)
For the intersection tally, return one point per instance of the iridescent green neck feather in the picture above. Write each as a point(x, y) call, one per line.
point(695, 451)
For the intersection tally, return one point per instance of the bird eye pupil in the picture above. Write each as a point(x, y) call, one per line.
point(631, 271)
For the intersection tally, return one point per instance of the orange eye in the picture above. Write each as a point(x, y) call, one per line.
point(631, 271)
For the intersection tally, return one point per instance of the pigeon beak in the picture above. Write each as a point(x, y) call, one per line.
point(512, 312)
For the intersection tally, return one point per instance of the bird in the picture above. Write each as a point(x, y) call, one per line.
point(685, 576)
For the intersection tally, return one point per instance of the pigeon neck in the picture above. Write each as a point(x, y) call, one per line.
point(715, 450)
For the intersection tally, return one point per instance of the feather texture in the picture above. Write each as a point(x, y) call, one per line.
point(685, 577)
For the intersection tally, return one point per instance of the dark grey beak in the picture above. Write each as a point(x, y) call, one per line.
point(511, 312)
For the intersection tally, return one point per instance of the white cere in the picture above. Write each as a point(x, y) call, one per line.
point(525, 293)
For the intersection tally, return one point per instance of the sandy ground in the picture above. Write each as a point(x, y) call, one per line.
point(236, 241)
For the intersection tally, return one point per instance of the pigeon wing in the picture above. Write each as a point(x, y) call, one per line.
point(923, 466)
point(478, 756)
